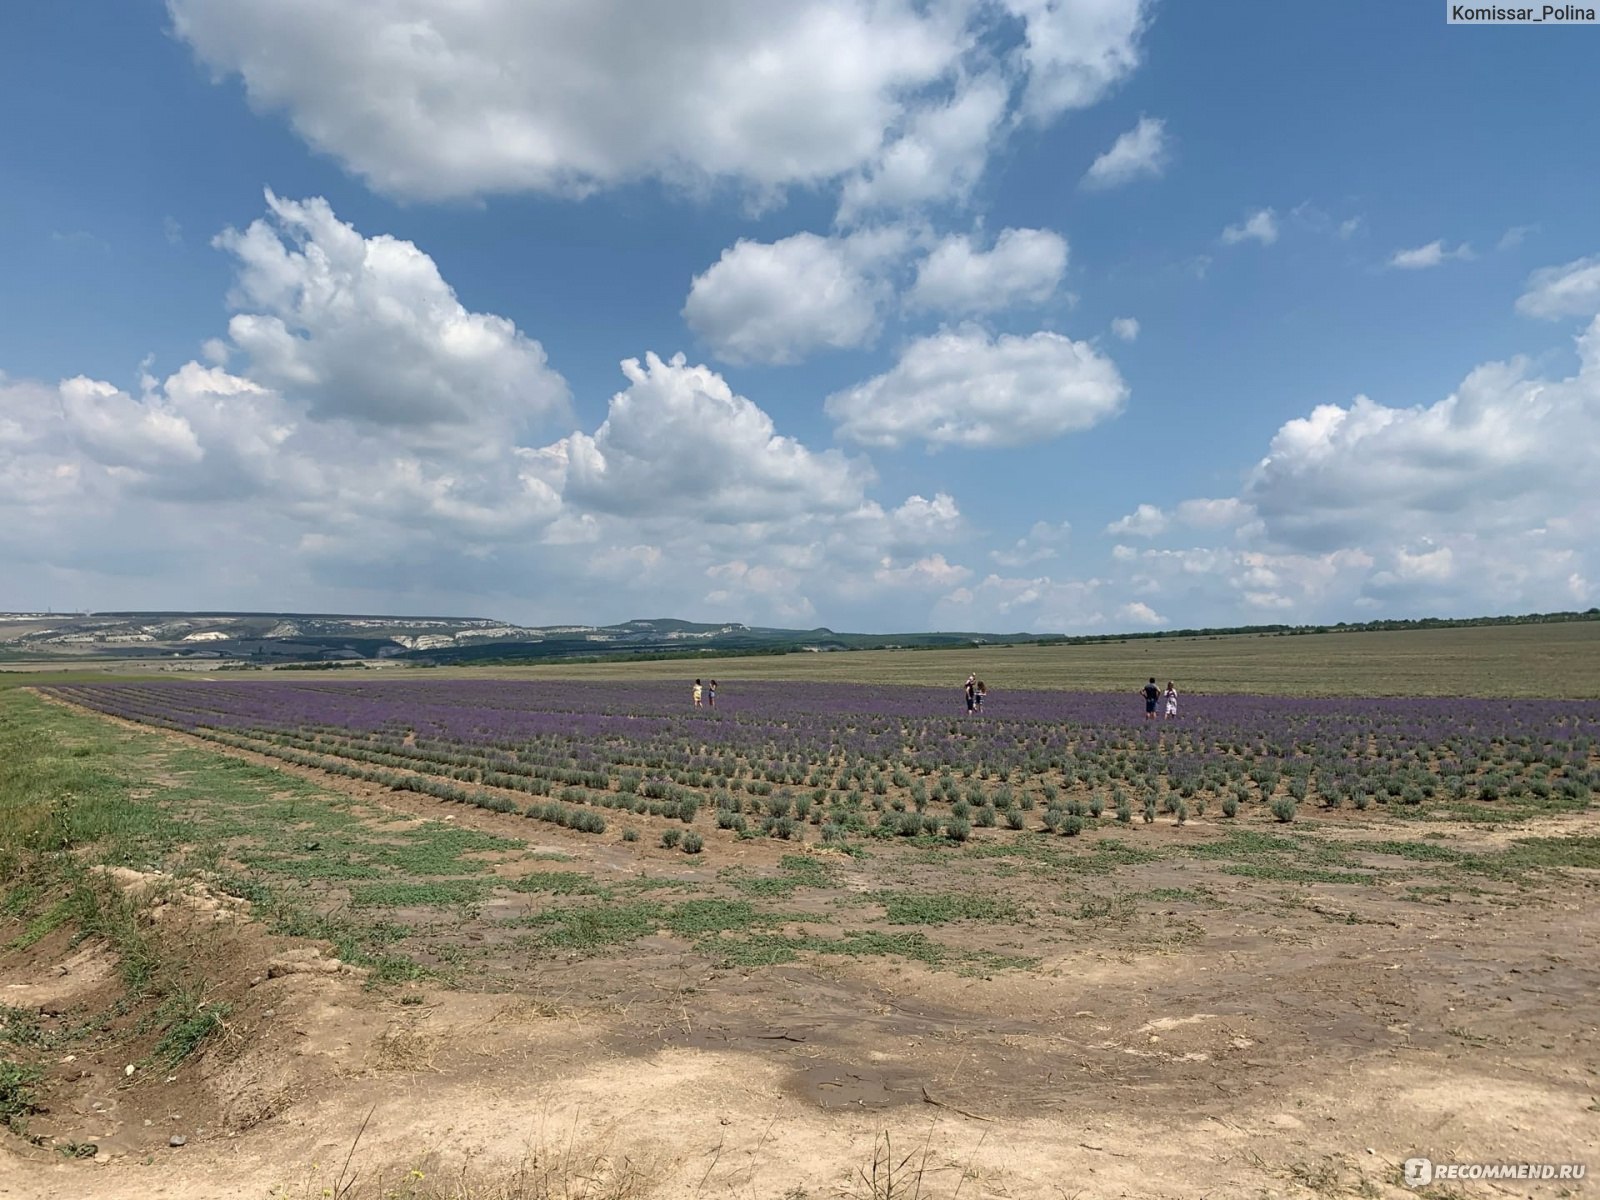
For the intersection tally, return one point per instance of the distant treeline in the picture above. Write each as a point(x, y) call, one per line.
point(523, 654)
point(1385, 626)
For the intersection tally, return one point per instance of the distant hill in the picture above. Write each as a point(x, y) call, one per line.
point(327, 638)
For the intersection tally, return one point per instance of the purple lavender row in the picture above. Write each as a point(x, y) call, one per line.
point(594, 722)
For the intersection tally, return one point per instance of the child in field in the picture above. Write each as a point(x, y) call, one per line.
point(711, 694)
point(979, 692)
point(1172, 700)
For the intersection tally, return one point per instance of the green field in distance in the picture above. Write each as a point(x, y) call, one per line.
point(1556, 661)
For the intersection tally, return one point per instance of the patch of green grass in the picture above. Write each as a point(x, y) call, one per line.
point(328, 869)
point(1527, 855)
point(19, 1095)
point(437, 848)
point(46, 923)
point(767, 949)
point(1107, 854)
point(767, 887)
point(1039, 849)
point(69, 781)
point(189, 1022)
point(1246, 843)
point(806, 870)
point(940, 908)
point(1284, 859)
point(557, 883)
point(1415, 851)
point(21, 1027)
point(795, 872)
point(439, 893)
point(712, 915)
point(918, 947)
point(1285, 873)
point(397, 968)
point(757, 950)
point(1472, 814)
point(653, 883)
point(597, 926)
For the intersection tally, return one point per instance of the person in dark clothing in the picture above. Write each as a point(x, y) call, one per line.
point(1151, 694)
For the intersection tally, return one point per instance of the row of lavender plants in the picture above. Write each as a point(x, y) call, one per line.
point(903, 761)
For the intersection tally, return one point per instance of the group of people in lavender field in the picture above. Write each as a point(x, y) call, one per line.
point(1153, 695)
point(705, 696)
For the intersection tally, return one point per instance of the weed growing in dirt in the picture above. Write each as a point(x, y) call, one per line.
point(1527, 855)
point(558, 883)
point(1115, 907)
point(931, 908)
point(795, 871)
point(19, 1097)
point(443, 893)
point(598, 926)
point(190, 1021)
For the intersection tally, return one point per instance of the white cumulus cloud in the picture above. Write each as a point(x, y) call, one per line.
point(1570, 290)
point(1432, 255)
point(965, 388)
point(367, 329)
point(1076, 50)
point(679, 440)
point(1145, 521)
point(1213, 514)
point(1137, 612)
point(1141, 153)
point(775, 302)
point(1260, 226)
point(1041, 543)
point(1023, 267)
point(939, 157)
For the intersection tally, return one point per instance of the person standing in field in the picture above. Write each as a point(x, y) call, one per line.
point(1151, 694)
point(978, 693)
point(1172, 700)
point(697, 691)
point(711, 694)
point(971, 692)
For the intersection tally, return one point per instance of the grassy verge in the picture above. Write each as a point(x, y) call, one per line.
point(79, 795)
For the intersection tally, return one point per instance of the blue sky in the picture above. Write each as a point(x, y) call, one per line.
point(1065, 315)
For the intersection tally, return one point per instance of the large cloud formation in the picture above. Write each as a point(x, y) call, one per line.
point(363, 435)
point(366, 329)
point(435, 101)
point(1477, 502)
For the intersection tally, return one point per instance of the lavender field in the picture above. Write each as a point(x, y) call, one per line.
point(802, 761)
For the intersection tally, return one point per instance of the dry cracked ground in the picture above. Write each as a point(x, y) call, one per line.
point(390, 995)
